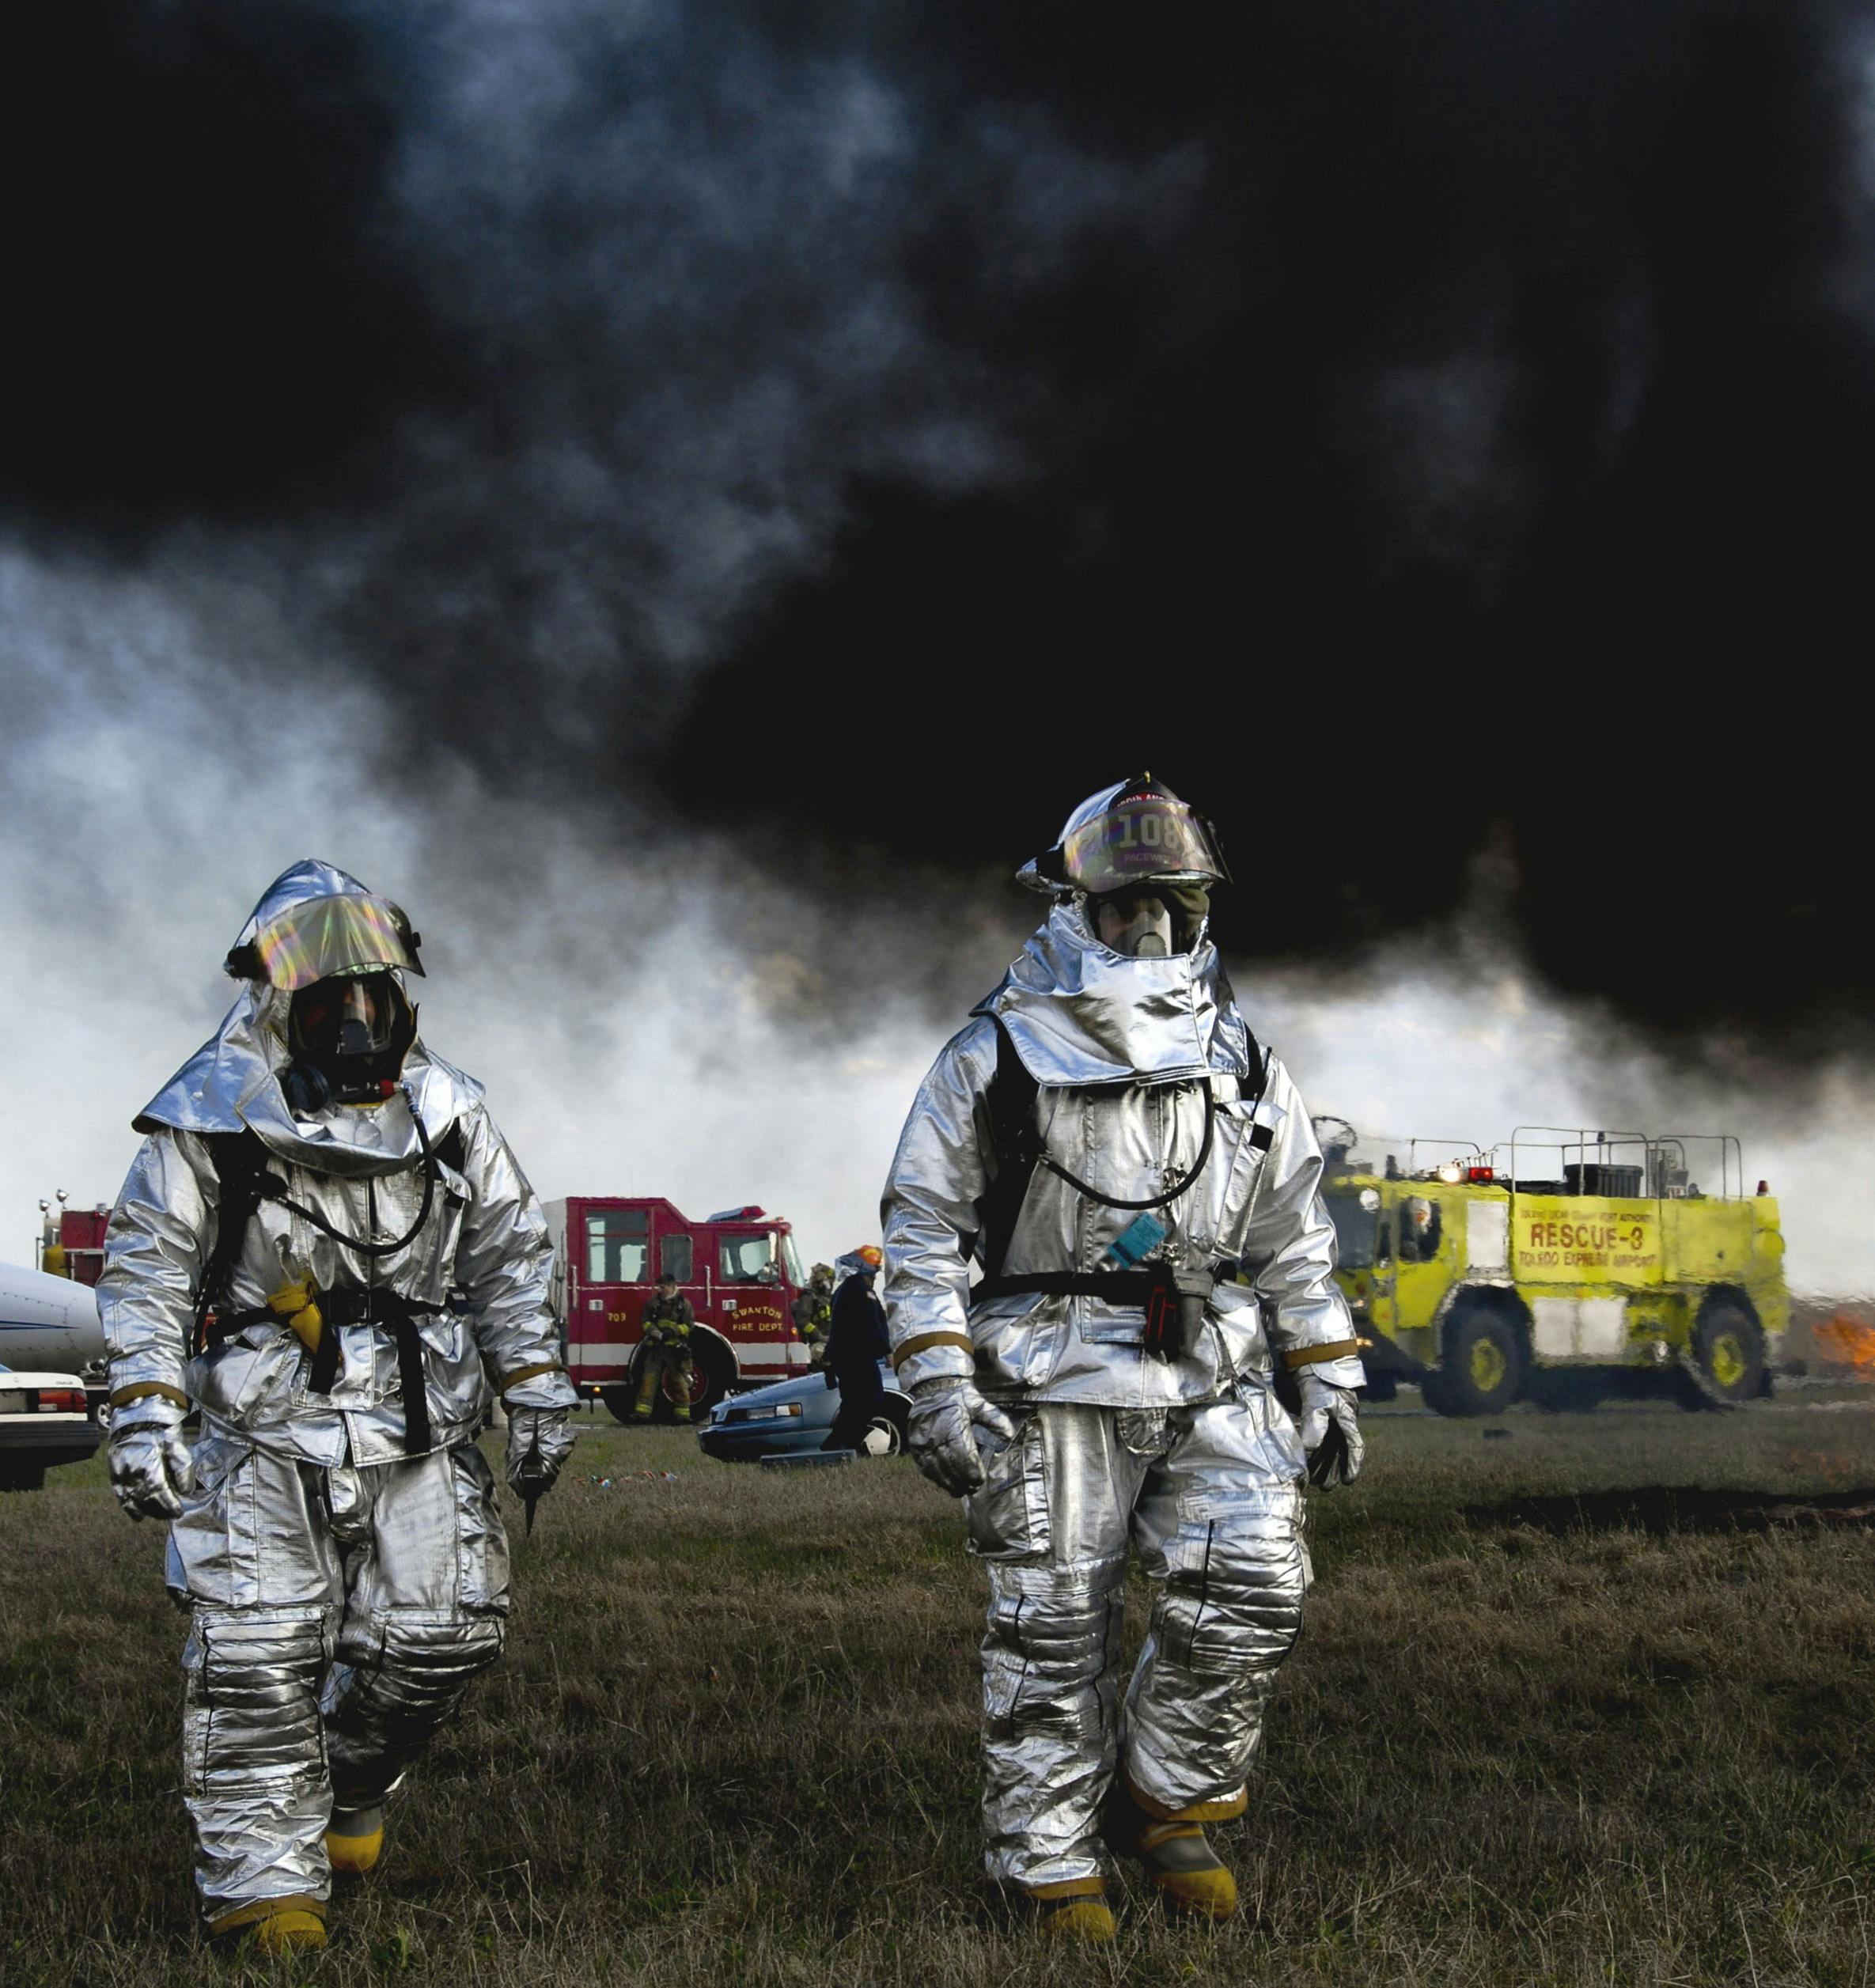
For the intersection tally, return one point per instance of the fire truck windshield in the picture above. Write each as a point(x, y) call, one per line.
point(1355, 1230)
point(791, 1263)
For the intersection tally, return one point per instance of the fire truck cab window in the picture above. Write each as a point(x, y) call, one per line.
point(1419, 1230)
point(674, 1255)
point(747, 1260)
point(1356, 1230)
point(618, 1246)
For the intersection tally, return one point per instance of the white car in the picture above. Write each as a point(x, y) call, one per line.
point(44, 1420)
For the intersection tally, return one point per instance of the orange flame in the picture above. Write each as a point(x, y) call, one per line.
point(1849, 1341)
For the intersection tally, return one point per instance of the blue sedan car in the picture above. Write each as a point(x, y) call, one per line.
point(793, 1417)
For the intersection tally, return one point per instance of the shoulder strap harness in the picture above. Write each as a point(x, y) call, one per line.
point(1019, 1147)
point(241, 1167)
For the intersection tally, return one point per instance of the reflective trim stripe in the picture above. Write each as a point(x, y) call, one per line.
point(529, 1373)
point(1219, 1811)
point(924, 1343)
point(267, 1909)
point(1308, 1356)
point(125, 1396)
point(1067, 1888)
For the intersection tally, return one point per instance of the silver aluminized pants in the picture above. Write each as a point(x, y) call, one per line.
point(337, 1615)
point(1210, 1496)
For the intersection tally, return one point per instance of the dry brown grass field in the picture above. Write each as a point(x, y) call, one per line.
point(1581, 1698)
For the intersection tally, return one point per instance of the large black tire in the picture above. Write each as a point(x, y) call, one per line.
point(22, 1477)
point(1482, 1372)
point(711, 1373)
point(1728, 1353)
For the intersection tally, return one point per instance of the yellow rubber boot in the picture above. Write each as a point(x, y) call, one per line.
point(1076, 1912)
point(1185, 1871)
point(355, 1841)
point(272, 1926)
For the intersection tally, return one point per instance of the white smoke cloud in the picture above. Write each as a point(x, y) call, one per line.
point(634, 1036)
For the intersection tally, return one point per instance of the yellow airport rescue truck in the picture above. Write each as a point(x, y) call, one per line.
point(1560, 1267)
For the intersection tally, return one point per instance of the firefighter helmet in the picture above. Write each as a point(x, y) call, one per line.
point(1136, 831)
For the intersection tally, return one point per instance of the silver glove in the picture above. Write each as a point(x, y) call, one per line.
point(941, 1432)
point(539, 1443)
point(1332, 1437)
point(150, 1467)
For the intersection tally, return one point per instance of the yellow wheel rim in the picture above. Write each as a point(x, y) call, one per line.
point(1488, 1366)
point(1729, 1363)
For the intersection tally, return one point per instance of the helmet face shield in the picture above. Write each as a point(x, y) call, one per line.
point(1141, 836)
point(326, 936)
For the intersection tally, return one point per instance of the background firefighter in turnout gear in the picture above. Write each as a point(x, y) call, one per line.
point(1138, 1183)
point(325, 1247)
point(813, 1312)
point(665, 1362)
point(855, 1345)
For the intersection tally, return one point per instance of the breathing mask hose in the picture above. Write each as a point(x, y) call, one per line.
point(430, 1170)
point(1157, 1201)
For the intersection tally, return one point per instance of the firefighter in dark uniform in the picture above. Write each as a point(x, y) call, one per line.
point(813, 1312)
point(856, 1343)
point(667, 1322)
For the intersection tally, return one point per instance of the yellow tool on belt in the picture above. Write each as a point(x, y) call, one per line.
point(298, 1304)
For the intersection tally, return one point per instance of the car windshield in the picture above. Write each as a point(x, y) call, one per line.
point(1355, 1228)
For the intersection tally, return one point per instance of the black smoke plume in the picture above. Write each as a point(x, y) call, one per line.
point(1427, 435)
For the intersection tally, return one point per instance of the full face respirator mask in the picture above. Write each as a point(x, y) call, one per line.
point(348, 1035)
point(1151, 921)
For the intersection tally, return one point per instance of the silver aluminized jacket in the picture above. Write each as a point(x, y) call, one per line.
point(484, 1250)
point(343, 1592)
point(1192, 1461)
point(1122, 1050)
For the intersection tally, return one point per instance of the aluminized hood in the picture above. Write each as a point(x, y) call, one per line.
point(1078, 1013)
point(232, 1081)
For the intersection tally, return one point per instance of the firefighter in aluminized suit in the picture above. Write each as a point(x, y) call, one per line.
point(325, 1247)
point(1138, 1183)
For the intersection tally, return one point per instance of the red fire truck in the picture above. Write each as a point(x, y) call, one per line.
point(738, 1268)
point(71, 1240)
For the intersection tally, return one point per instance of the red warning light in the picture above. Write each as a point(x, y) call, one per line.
point(1481, 1173)
point(1764, 1187)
